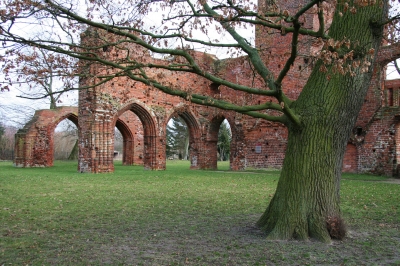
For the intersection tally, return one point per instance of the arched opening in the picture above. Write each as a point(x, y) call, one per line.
point(392, 84)
point(224, 145)
point(65, 139)
point(219, 138)
point(177, 144)
point(118, 145)
point(393, 70)
point(128, 142)
point(182, 137)
point(138, 129)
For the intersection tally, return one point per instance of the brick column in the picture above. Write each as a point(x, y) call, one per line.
point(127, 153)
point(96, 135)
point(237, 154)
point(208, 148)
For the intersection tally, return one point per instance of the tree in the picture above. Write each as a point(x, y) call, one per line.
point(38, 74)
point(319, 121)
point(119, 141)
point(7, 133)
point(66, 141)
point(169, 149)
point(396, 66)
point(224, 141)
point(178, 138)
point(2, 131)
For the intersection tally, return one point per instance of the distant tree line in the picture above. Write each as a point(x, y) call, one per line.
point(7, 141)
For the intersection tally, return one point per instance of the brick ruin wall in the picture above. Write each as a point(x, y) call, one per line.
point(141, 113)
point(255, 143)
point(34, 144)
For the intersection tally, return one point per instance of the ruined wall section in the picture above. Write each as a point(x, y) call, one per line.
point(123, 91)
point(377, 154)
point(377, 142)
point(380, 94)
point(34, 144)
point(258, 143)
point(266, 141)
point(376, 128)
point(372, 145)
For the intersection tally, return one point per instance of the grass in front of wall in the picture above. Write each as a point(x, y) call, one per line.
point(57, 216)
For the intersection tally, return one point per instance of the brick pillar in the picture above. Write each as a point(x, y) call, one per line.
point(103, 142)
point(128, 152)
point(138, 147)
point(396, 165)
point(160, 149)
point(154, 152)
point(154, 141)
point(210, 155)
point(208, 147)
point(237, 156)
point(96, 135)
point(194, 146)
point(85, 124)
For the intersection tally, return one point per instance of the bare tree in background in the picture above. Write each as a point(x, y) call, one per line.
point(38, 74)
point(7, 141)
point(66, 141)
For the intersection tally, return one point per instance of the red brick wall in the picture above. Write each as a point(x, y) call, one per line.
point(350, 161)
point(255, 142)
point(34, 145)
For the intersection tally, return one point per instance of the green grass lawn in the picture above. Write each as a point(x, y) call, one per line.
point(57, 216)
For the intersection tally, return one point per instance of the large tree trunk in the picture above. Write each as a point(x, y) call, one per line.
point(306, 202)
point(307, 194)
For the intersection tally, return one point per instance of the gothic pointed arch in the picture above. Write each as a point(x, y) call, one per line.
point(194, 134)
point(151, 148)
point(128, 141)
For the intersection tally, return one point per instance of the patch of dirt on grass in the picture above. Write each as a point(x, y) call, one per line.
point(236, 241)
point(393, 181)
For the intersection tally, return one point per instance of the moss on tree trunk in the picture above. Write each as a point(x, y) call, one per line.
point(306, 202)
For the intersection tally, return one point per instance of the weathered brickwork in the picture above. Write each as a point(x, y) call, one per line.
point(34, 143)
point(132, 131)
point(141, 113)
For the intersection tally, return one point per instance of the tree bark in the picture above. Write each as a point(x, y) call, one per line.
point(186, 148)
point(306, 202)
point(74, 152)
point(53, 103)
